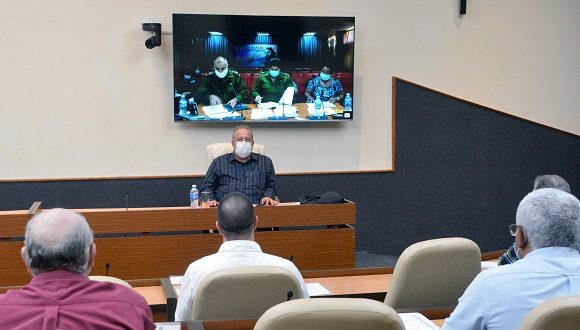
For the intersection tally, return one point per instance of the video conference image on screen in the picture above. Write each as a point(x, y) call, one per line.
point(263, 68)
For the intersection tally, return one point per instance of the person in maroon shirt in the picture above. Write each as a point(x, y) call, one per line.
point(59, 253)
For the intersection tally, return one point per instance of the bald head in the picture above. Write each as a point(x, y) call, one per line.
point(58, 239)
point(236, 217)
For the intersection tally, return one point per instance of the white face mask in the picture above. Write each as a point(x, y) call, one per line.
point(222, 74)
point(243, 149)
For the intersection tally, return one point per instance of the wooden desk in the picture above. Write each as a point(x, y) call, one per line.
point(301, 109)
point(143, 243)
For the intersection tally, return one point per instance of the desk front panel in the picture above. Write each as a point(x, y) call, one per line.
point(158, 242)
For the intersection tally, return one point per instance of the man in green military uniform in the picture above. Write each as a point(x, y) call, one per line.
point(272, 83)
point(222, 85)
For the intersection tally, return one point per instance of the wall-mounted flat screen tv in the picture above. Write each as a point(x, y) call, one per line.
point(263, 68)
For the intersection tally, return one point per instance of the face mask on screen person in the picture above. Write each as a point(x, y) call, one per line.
point(243, 149)
point(221, 74)
point(324, 76)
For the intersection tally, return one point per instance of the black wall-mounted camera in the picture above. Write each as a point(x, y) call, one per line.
point(155, 40)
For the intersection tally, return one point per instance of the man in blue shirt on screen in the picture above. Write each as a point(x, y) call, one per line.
point(547, 232)
point(242, 171)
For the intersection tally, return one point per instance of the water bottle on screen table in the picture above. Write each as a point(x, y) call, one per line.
point(318, 107)
point(182, 105)
point(194, 197)
point(348, 106)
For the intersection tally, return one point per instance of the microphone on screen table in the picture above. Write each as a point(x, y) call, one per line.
point(233, 108)
point(107, 265)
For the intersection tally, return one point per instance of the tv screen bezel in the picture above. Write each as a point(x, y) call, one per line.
point(200, 25)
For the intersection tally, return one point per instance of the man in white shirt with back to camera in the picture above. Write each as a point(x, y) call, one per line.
point(236, 223)
point(546, 238)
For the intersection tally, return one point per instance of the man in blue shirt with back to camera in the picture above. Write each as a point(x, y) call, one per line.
point(541, 181)
point(241, 171)
point(547, 232)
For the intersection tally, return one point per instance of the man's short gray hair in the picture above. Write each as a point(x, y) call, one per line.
point(242, 127)
point(220, 59)
point(551, 181)
point(550, 218)
point(65, 247)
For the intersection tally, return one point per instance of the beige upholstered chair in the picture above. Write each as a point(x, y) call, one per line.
point(243, 292)
point(330, 314)
point(433, 274)
point(559, 313)
point(109, 279)
point(215, 150)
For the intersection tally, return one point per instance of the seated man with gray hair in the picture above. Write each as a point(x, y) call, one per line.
point(547, 231)
point(541, 181)
point(59, 253)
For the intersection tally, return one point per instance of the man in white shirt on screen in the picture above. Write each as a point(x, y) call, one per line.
point(236, 223)
point(547, 232)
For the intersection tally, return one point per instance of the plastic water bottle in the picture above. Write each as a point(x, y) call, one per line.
point(193, 107)
point(182, 105)
point(348, 102)
point(318, 107)
point(194, 197)
point(348, 106)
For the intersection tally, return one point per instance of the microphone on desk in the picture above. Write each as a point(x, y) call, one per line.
point(233, 88)
point(107, 265)
point(289, 295)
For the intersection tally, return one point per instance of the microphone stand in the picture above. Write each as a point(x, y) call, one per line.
point(236, 93)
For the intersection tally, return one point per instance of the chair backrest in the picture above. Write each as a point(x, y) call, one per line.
point(330, 314)
point(561, 313)
point(215, 150)
point(243, 292)
point(111, 279)
point(433, 274)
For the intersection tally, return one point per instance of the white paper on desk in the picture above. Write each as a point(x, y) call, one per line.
point(261, 113)
point(168, 326)
point(329, 108)
point(285, 111)
point(268, 109)
point(288, 203)
point(218, 112)
point(316, 289)
point(175, 280)
point(267, 105)
point(488, 264)
point(287, 97)
point(416, 321)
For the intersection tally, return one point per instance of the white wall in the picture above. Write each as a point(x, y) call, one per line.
point(82, 97)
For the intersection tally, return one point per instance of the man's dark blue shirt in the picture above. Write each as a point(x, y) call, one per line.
point(254, 178)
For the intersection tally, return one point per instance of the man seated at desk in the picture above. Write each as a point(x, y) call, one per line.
point(242, 171)
point(272, 83)
point(222, 85)
point(236, 223)
point(59, 253)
